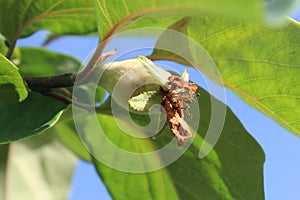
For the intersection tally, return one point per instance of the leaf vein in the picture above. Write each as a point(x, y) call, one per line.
point(253, 79)
point(279, 95)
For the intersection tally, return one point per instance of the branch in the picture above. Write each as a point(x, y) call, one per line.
point(44, 85)
point(50, 82)
point(56, 96)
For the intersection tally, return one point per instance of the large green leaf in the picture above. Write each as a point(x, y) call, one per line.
point(67, 133)
point(233, 170)
point(12, 87)
point(66, 130)
point(41, 62)
point(21, 18)
point(37, 112)
point(39, 168)
point(31, 116)
point(260, 64)
point(115, 15)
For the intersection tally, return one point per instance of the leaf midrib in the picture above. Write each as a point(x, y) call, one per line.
point(134, 15)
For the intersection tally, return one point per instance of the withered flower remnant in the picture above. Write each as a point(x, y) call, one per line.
point(176, 100)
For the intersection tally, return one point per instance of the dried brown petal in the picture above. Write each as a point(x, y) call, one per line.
point(180, 129)
point(175, 101)
point(178, 82)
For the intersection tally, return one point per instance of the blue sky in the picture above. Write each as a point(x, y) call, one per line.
point(281, 171)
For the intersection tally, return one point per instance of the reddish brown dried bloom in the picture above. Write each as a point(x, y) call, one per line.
point(175, 101)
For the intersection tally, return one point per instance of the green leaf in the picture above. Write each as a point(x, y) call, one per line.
point(39, 168)
point(67, 133)
point(155, 21)
point(232, 170)
point(136, 184)
point(31, 116)
point(42, 62)
point(12, 87)
point(37, 112)
point(115, 15)
point(65, 128)
point(143, 101)
point(259, 64)
point(22, 18)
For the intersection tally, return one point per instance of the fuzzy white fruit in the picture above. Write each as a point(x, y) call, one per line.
point(128, 78)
